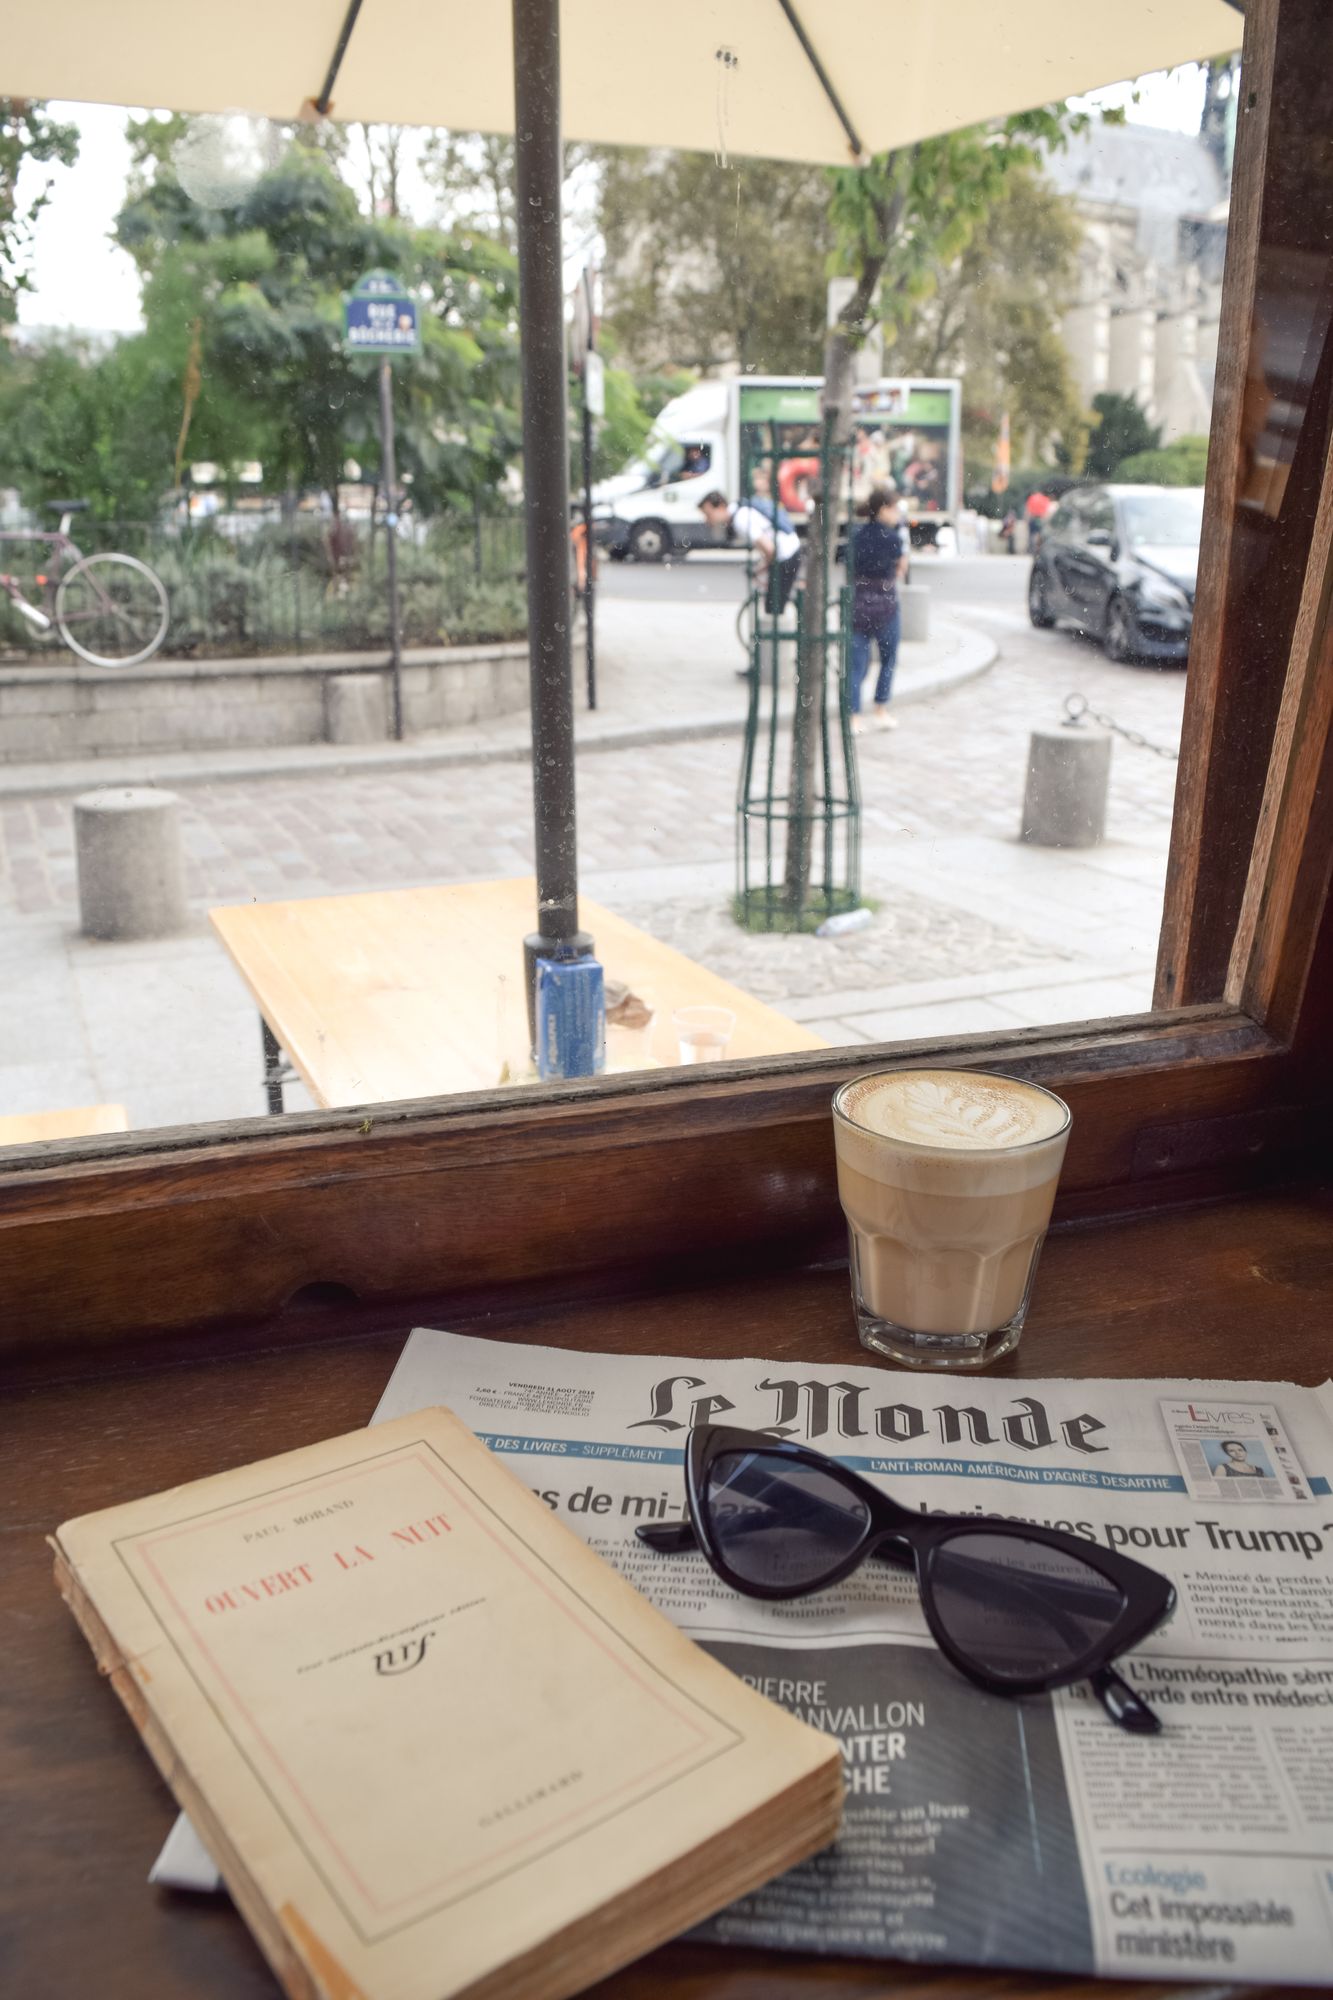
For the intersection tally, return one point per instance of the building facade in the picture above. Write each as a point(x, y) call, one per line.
point(1153, 205)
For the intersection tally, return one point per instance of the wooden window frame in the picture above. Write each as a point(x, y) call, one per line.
point(623, 1181)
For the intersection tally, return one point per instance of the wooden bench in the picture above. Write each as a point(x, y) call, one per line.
point(24, 1128)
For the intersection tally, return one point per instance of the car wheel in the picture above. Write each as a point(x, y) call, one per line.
point(1117, 633)
point(650, 541)
point(1039, 608)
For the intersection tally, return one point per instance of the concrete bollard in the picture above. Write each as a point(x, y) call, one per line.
point(354, 708)
point(127, 844)
point(915, 601)
point(1069, 771)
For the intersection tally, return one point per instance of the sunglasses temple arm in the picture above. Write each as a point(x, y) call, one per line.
point(669, 1538)
point(1122, 1704)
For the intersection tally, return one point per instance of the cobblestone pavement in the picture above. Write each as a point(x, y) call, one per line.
point(955, 765)
point(910, 939)
point(972, 929)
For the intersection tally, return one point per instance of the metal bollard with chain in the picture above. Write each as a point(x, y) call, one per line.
point(1079, 710)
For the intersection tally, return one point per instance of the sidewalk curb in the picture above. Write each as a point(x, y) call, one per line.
point(973, 656)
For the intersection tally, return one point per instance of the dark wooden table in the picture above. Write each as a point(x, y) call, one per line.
point(1241, 1288)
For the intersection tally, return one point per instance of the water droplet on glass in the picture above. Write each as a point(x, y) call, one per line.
point(219, 158)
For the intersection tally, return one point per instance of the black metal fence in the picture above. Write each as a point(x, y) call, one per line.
point(249, 583)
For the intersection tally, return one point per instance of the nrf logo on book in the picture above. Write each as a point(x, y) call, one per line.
point(402, 1659)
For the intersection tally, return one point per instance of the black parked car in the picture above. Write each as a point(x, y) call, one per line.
point(1120, 561)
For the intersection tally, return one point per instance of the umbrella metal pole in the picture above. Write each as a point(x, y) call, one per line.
point(389, 477)
point(589, 627)
point(539, 172)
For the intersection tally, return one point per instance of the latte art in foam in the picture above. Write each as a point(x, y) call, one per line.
point(954, 1110)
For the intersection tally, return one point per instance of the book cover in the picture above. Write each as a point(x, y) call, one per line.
point(435, 1745)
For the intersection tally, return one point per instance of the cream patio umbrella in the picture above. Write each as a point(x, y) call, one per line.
point(814, 80)
point(782, 78)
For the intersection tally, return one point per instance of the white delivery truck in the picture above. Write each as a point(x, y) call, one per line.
point(906, 432)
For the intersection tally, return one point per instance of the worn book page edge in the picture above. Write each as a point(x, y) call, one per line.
point(731, 1861)
point(122, 1676)
point(628, 1610)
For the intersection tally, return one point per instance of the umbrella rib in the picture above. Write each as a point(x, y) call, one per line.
point(325, 98)
point(825, 82)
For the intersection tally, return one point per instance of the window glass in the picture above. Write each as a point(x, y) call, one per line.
point(1171, 517)
point(261, 431)
point(1098, 515)
point(663, 459)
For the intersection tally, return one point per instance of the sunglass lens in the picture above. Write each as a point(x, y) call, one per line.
point(780, 1523)
point(1019, 1609)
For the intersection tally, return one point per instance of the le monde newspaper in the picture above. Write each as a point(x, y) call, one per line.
point(1028, 1834)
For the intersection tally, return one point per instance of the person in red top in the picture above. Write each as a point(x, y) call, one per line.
point(1038, 506)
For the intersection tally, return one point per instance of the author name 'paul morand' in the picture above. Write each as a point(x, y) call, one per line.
point(300, 1575)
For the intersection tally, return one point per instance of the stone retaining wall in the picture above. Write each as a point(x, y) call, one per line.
point(66, 712)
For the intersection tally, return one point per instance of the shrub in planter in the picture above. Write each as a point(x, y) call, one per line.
point(224, 603)
point(216, 605)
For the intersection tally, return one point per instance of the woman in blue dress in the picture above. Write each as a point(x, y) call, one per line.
point(877, 561)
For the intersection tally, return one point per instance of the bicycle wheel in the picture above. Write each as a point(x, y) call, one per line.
point(745, 623)
point(112, 610)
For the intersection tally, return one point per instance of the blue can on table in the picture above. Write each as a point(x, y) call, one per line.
point(571, 1017)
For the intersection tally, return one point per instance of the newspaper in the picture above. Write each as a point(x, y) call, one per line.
point(1031, 1834)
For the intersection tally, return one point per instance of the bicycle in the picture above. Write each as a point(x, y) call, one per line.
point(116, 601)
point(754, 613)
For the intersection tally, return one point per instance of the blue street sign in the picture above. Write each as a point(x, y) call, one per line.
point(379, 317)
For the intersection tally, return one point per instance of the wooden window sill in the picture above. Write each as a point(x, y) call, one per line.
point(1241, 1287)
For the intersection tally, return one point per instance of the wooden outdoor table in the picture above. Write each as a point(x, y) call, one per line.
point(1237, 1287)
point(21, 1128)
point(419, 992)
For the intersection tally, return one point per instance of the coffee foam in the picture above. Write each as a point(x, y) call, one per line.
point(950, 1131)
point(952, 1108)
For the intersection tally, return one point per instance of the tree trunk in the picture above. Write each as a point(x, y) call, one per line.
point(812, 649)
point(190, 387)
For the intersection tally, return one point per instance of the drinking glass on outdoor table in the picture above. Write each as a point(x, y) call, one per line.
point(703, 1032)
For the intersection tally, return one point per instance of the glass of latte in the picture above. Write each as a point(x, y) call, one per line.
point(947, 1178)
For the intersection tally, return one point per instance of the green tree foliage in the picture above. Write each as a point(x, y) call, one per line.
point(28, 138)
point(105, 425)
point(1184, 462)
point(632, 402)
point(900, 222)
point(904, 219)
point(270, 274)
point(472, 173)
point(1122, 430)
point(50, 419)
point(710, 265)
point(241, 356)
point(992, 317)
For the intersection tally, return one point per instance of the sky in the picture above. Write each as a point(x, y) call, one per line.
point(81, 280)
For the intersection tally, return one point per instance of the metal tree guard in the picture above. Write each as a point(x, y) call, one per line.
point(766, 810)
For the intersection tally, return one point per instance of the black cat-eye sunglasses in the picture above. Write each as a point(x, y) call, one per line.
point(1018, 1609)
